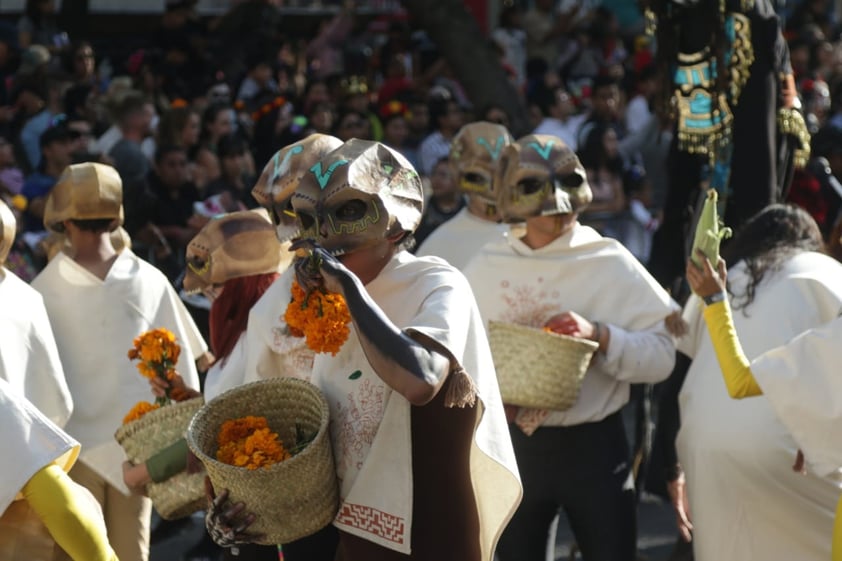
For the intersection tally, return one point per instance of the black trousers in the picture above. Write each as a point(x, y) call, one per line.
point(585, 470)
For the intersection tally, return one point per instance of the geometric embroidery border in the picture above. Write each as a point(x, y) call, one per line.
point(381, 524)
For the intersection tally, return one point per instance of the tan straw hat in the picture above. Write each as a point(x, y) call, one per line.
point(88, 191)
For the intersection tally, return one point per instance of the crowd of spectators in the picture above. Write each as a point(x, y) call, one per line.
point(190, 119)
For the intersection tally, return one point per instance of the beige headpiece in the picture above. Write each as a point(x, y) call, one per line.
point(8, 226)
point(238, 244)
point(88, 191)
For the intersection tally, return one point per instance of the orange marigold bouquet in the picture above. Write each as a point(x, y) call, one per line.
point(249, 442)
point(157, 353)
point(320, 316)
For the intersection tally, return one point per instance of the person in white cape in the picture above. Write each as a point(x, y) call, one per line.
point(412, 384)
point(474, 157)
point(799, 379)
point(29, 359)
point(43, 514)
point(737, 456)
point(98, 301)
point(565, 277)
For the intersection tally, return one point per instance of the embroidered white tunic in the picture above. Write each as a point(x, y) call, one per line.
point(29, 442)
point(598, 279)
point(95, 322)
point(270, 350)
point(459, 239)
point(29, 359)
point(737, 455)
point(370, 423)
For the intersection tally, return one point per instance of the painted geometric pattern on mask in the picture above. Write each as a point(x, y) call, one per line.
point(381, 524)
point(282, 166)
point(324, 178)
point(498, 146)
point(357, 226)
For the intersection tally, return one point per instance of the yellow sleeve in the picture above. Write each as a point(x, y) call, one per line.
point(732, 360)
point(68, 515)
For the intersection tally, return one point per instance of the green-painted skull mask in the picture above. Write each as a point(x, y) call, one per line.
point(474, 156)
point(539, 175)
point(274, 189)
point(360, 193)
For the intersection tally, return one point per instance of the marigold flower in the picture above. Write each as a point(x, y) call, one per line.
point(322, 317)
point(140, 409)
point(249, 442)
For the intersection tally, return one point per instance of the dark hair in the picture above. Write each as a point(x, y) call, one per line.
point(209, 116)
point(32, 10)
point(172, 124)
point(75, 97)
point(439, 108)
point(231, 145)
point(592, 154)
point(164, 150)
point(766, 241)
point(95, 225)
point(131, 103)
point(69, 56)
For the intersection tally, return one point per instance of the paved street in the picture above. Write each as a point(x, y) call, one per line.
point(657, 537)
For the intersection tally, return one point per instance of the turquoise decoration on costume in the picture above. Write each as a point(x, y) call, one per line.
point(498, 146)
point(323, 178)
point(543, 151)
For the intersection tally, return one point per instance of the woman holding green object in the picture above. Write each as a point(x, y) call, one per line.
point(779, 291)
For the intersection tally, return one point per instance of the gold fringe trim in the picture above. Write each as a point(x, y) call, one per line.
point(791, 122)
point(462, 392)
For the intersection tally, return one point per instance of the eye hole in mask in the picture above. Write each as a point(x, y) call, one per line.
point(307, 220)
point(474, 178)
point(572, 180)
point(352, 210)
point(281, 212)
point(530, 186)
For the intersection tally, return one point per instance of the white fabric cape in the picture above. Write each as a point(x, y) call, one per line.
point(227, 374)
point(737, 455)
point(803, 384)
point(29, 359)
point(270, 351)
point(598, 279)
point(460, 238)
point(94, 323)
point(29, 442)
point(370, 423)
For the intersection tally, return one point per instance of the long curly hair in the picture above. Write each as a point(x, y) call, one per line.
point(767, 241)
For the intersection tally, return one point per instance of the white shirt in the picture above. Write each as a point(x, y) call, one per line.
point(598, 279)
point(29, 358)
point(270, 351)
point(459, 239)
point(29, 442)
point(565, 130)
point(737, 455)
point(95, 322)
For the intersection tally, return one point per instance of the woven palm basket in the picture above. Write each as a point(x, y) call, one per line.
point(180, 495)
point(293, 498)
point(536, 368)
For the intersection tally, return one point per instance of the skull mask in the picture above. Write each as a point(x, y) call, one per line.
point(238, 244)
point(281, 176)
point(359, 194)
point(8, 228)
point(474, 156)
point(540, 175)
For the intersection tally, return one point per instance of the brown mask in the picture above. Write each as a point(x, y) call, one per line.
point(232, 245)
point(474, 156)
point(88, 191)
point(360, 193)
point(281, 176)
point(540, 175)
point(8, 228)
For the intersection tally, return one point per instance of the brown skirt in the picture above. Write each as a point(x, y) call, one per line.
point(24, 536)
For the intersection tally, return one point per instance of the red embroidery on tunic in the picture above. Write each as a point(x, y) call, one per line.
point(527, 305)
point(381, 524)
point(356, 424)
